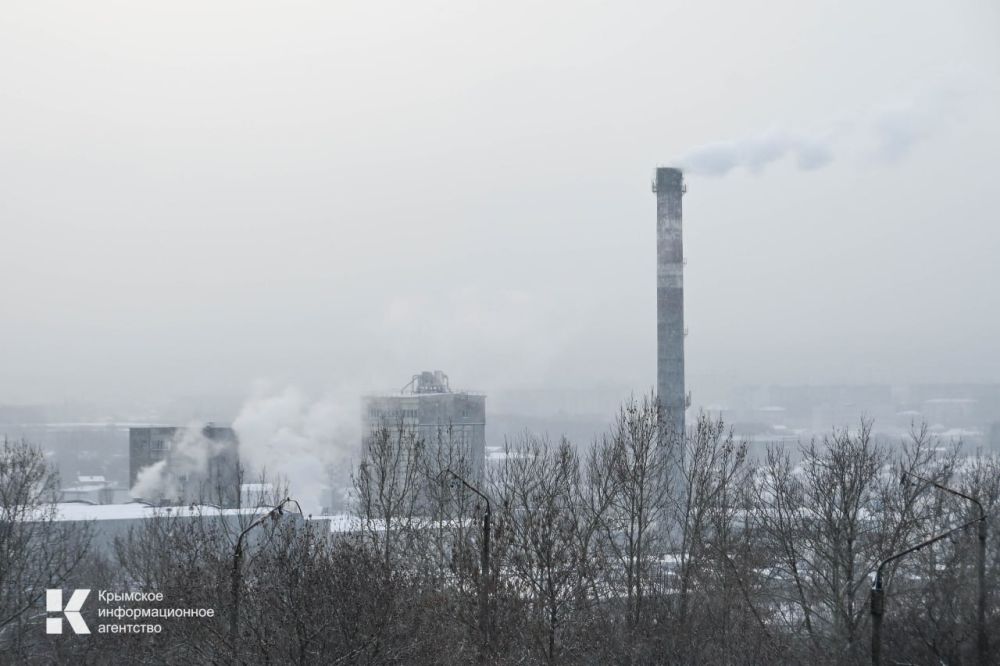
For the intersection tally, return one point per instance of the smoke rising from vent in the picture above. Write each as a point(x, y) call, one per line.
point(187, 457)
point(308, 444)
point(886, 134)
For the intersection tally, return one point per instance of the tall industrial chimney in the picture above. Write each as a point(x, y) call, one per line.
point(669, 188)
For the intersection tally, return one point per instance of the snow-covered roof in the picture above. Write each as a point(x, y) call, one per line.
point(138, 511)
point(347, 522)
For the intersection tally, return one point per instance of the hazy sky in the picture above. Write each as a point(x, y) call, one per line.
point(195, 195)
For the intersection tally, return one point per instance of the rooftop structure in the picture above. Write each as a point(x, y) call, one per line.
point(428, 382)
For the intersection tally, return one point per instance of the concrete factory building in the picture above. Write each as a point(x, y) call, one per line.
point(429, 407)
point(174, 465)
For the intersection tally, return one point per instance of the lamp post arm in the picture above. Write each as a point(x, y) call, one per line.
point(982, 640)
point(878, 594)
point(484, 594)
point(261, 518)
point(878, 573)
point(470, 487)
point(979, 505)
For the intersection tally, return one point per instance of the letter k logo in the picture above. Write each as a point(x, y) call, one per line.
point(54, 604)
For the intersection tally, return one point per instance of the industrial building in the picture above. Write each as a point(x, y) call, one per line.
point(429, 407)
point(669, 189)
point(93, 489)
point(170, 464)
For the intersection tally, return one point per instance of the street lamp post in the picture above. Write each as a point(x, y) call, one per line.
point(484, 608)
point(981, 637)
point(878, 593)
point(236, 578)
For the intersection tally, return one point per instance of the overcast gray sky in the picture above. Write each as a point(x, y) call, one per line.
point(195, 195)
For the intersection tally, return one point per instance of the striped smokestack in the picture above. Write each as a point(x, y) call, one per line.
point(669, 188)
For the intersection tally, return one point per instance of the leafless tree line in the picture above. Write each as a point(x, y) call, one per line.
point(635, 549)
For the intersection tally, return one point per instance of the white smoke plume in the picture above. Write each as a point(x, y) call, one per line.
point(887, 133)
point(152, 482)
point(305, 443)
point(756, 152)
point(187, 457)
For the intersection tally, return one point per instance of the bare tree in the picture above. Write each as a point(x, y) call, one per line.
point(715, 563)
point(537, 489)
point(931, 614)
point(388, 487)
point(630, 471)
point(37, 550)
point(828, 522)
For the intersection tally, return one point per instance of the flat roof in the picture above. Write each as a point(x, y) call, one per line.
point(70, 511)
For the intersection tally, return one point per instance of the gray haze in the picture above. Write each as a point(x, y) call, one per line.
point(198, 195)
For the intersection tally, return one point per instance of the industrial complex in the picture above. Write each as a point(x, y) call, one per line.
point(168, 464)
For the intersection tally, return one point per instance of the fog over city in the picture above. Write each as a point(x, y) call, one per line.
point(332, 196)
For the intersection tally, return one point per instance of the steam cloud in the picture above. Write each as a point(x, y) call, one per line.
point(308, 444)
point(888, 134)
point(756, 152)
point(291, 440)
point(188, 455)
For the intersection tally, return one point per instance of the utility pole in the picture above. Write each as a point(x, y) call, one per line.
point(484, 560)
point(236, 581)
point(982, 640)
